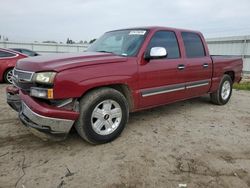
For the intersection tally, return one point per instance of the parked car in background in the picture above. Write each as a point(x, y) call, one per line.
point(123, 71)
point(8, 59)
point(26, 51)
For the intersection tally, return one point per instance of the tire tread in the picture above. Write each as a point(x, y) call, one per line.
point(215, 97)
point(85, 103)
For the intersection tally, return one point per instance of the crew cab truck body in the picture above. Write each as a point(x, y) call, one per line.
point(123, 71)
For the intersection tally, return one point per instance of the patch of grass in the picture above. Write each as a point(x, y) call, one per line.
point(242, 86)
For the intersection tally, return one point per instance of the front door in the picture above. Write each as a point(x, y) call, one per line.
point(161, 81)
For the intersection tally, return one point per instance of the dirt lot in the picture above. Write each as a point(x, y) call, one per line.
point(193, 143)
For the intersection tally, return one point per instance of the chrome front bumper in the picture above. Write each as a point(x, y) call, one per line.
point(13, 99)
point(44, 127)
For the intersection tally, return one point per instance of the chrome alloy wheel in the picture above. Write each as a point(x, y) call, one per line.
point(9, 76)
point(225, 90)
point(106, 117)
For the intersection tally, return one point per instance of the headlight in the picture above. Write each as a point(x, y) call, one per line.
point(44, 77)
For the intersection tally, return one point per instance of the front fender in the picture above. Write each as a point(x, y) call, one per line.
point(104, 81)
point(74, 83)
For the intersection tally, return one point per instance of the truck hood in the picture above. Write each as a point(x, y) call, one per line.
point(60, 62)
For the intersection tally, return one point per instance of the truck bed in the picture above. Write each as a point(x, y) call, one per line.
point(222, 64)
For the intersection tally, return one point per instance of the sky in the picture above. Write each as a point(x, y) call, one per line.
point(57, 20)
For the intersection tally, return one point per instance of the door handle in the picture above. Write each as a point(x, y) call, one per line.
point(181, 67)
point(205, 65)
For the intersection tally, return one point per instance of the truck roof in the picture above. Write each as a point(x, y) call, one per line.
point(158, 28)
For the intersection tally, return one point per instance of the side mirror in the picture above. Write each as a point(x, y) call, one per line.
point(156, 53)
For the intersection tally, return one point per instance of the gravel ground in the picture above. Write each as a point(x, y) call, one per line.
point(193, 143)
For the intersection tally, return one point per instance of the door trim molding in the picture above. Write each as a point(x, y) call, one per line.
point(173, 88)
point(197, 84)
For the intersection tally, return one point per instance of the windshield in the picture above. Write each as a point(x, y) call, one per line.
point(122, 42)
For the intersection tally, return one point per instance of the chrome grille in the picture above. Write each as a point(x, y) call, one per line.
point(21, 75)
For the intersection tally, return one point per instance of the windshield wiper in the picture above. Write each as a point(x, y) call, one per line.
point(104, 51)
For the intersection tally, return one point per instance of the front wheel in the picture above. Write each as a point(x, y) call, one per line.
point(103, 115)
point(224, 92)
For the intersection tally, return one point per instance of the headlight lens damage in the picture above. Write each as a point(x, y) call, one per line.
point(44, 77)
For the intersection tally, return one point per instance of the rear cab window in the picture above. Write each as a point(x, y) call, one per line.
point(168, 40)
point(193, 45)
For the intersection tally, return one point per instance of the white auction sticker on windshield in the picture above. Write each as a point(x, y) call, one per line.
point(137, 32)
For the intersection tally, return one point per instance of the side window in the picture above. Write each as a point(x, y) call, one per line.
point(4, 54)
point(193, 45)
point(168, 40)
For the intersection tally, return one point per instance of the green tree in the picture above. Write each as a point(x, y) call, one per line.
point(91, 41)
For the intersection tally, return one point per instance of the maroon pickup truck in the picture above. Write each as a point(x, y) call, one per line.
point(123, 71)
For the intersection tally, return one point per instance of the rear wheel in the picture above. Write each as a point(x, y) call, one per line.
point(103, 115)
point(8, 76)
point(224, 92)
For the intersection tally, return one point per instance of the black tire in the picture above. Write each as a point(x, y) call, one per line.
point(216, 97)
point(6, 76)
point(89, 103)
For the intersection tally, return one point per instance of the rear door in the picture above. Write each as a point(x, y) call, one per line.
point(160, 80)
point(198, 65)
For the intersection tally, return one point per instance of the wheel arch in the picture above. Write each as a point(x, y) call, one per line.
point(121, 87)
point(231, 74)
